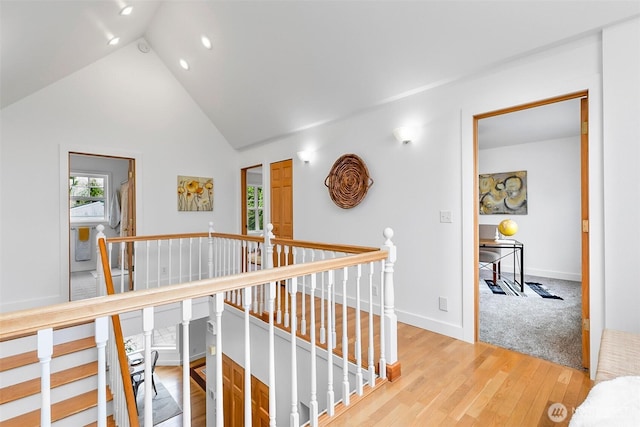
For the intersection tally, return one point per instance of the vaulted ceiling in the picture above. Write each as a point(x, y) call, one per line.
point(277, 67)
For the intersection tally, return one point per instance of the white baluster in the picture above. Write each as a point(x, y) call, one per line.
point(313, 402)
point(358, 344)
point(186, 383)
point(123, 263)
point(148, 263)
point(218, 302)
point(199, 258)
point(272, 358)
point(294, 417)
point(247, 357)
point(45, 350)
point(303, 311)
point(345, 341)
point(333, 312)
point(147, 327)
point(190, 260)
point(383, 361)
point(330, 346)
point(390, 318)
point(254, 247)
point(180, 261)
point(159, 250)
point(210, 254)
point(279, 312)
point(286, 300)
point(101, 336)
point(170, 260)
point(135, 262)
point(323, 331)
point(372, 368)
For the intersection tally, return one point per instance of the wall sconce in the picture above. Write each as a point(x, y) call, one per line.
point(404, 134)
point(306, 156)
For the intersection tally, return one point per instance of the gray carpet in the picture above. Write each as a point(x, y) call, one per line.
point(164, 405)
point(546, 328)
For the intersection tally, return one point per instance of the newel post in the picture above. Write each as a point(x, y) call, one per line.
point(210, 257)
point(389, 315)
point(101, 287)
point(269, 247)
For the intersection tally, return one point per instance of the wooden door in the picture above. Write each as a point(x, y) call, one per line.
point(232, 392)
point(259, 403)
point(584, 178)
point(233, 396)
point(282, 199)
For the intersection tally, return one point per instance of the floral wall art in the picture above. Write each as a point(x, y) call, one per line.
point(503, 193)
point(195, 193)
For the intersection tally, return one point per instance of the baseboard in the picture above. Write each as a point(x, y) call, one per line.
point(560, 275)
point(430, 324)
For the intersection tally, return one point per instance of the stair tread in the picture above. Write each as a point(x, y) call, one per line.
point(30, 357)
point(59, 410)
point(32, 386)
point(111, 422)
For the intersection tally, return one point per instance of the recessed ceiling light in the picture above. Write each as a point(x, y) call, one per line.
point(206, 42)
point(184, 64)
point(126, 10)
point(114, 41)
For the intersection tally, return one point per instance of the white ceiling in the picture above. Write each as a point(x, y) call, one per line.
point(544, 123)
point(278, 67)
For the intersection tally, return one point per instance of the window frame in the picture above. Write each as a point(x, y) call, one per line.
point(107, 185)
point(257, 209)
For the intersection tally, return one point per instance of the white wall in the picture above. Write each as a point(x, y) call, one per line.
point(436, 172)
point(127, 104)
point(551, 229)
point(621, 130)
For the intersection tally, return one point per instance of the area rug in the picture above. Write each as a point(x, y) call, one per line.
point(508, 287)
point(164, 405)
point(547, 328)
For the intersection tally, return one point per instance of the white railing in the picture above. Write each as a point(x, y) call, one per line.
point(240, 274)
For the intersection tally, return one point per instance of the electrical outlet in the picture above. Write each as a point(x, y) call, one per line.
point(375, 291)
point(442, 303)
point(164, 270)
point(446, 216)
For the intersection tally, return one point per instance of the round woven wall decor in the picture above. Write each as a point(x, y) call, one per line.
point(348, 181)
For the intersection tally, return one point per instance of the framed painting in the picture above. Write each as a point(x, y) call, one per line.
point(195, 194)
point(503, 193)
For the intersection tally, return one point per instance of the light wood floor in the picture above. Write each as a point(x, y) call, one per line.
point(446, 382)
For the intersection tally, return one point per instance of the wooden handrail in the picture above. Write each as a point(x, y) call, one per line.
point(26, 322)
point(130, 397)
point(350, 249)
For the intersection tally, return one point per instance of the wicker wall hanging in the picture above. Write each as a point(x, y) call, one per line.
point(348, 181)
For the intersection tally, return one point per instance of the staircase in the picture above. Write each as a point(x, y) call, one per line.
point(74, 369)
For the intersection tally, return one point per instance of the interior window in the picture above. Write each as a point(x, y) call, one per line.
point(255, 203)
point(88, 196)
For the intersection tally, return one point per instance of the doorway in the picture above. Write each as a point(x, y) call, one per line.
point(490, 153)
point(101, 191)
point(252, 209)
